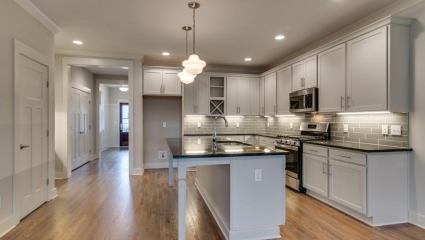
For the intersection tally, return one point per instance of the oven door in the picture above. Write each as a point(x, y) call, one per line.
point(303, 100)
point(292, 160)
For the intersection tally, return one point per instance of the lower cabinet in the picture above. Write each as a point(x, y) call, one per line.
point(315, 174)
point(347, 185)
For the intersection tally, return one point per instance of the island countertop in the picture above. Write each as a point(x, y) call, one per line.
point(202, 148)
point(367, 148)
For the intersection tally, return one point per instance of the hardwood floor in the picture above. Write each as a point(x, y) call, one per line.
point(100, 201)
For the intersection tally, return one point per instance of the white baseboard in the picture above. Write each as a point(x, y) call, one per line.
point(7, 225)
point(158, 165)
point(417, 219)
point(221, 223)
point(137, 171)
point(59, 175)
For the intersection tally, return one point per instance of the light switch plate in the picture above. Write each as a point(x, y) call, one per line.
point(346, 128)
point(258, 175)
point(164, 124)
point(396, 130)
point(385, 129)
point(268, 124)
point(199, 141)
point(237, 125)
point(162, 154)
point(290, 125)
point(199, 124)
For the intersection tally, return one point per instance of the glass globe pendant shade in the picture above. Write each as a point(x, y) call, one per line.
point(194, 65)
point(186, 77)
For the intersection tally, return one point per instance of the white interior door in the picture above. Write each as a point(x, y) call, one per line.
point(32, 157)
point(85, 128)
point(80, 134)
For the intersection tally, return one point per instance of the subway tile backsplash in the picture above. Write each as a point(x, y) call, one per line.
point(364, 128)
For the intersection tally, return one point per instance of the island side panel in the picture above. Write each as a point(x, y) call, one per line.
point(257, 205)
point(213, 182)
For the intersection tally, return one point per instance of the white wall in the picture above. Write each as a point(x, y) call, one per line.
point(417, 114)
point(104, 142)
point(14, 23)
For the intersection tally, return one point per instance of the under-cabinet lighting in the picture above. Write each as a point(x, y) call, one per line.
point(279, 37)
point(124, 67)
point(289, 115)
point(248, 59)
point(266, 150)
point(77, 42)
point(195, 115)
point(233, 150)
point(235, 116)
point(353, 113)
point(266, 116)
point(166, 54)
point(195, 151)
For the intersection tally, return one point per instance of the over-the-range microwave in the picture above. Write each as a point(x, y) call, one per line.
point(305, 100)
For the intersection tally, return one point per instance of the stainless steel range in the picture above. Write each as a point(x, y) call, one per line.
point(293, 144)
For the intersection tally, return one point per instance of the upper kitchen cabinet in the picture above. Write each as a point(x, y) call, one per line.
point(196, 96)
point(304, 74)
point(159, 82)
point(284, 77)
point(238, 96)
point(378, 70)
point(332, 79)
point(255, 98)
point(270, 94)
point(262, 110)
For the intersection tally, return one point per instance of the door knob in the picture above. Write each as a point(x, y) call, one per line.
point(23, 146)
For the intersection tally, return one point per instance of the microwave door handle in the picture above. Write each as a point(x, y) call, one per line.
point(305, 101)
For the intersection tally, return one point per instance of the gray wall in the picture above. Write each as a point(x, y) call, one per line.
point(155, 112)
point(116, 94)
point(246, 125)
point(417, 114)
point(14, 23)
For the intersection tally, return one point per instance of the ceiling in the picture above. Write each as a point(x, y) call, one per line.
point(107, 71)
point(226, 31)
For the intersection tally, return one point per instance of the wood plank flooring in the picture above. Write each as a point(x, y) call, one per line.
point(100, 201)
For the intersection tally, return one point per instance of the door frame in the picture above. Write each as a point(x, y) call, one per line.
point(64, 153)
point(24, 50)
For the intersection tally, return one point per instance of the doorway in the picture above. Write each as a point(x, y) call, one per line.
point(124, 124)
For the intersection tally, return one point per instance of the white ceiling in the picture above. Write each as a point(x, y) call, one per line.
point(227, 31)
point(107, 71)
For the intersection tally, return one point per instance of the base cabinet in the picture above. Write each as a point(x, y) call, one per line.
point(315, 174)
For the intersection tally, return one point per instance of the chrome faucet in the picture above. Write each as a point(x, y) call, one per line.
point(215, 132)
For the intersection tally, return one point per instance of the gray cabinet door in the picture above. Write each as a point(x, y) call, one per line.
point(232, 95)
point(262, 110)
point(310, 72)
point(171, 83)
point(284, 77)
point(297, 76)
point(244, 98)
point(270, 94)
point(367, 72)
point(152, 82)
point(201, 94)
point(332, 80)
point(189, 99)
point(255, 96)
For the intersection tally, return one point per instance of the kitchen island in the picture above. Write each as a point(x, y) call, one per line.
point(243, 185)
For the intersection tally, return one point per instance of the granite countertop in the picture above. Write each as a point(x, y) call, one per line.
point(360, 147)
point(201, 148)
point(228, 134)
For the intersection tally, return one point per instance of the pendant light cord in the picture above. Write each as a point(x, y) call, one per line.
point(186, 43)
point(194, 30)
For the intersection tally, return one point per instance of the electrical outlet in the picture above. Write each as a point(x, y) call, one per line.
point(385, 129)
point(162, 154)
point(199, 141)
point(258, 175)
point(290, 125)
point(164, 124)
point(268, 124)
point(396, 130)
point(199, 124)
point(346, 128)
point(237, 125)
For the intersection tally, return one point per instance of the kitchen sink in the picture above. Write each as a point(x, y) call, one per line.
point(233, 143)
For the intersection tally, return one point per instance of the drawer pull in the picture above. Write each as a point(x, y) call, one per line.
point(344, 156)
point(312, 150)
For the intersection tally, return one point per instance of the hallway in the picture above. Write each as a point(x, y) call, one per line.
point(100, 201)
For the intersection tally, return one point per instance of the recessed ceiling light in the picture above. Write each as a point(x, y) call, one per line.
point(124, 67)
point(166, 54)
point(248, 59)
point(279, 37)
point(77, 42)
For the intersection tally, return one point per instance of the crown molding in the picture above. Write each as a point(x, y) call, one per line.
point(29, 7)
point(95, 54)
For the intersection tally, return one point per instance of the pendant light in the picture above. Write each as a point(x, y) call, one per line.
point(194, 65)
point(184, 76)
point(124, 88)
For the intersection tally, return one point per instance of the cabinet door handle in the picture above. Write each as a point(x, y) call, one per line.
point(324, 168)
point(160, 89)
point(263, 109)
point(330, 169)
point(312, 150)
point(342, 102)
point(348, 101)
point(163, 88)
point(344, 156)
point(277, 108)
point(274, 108)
